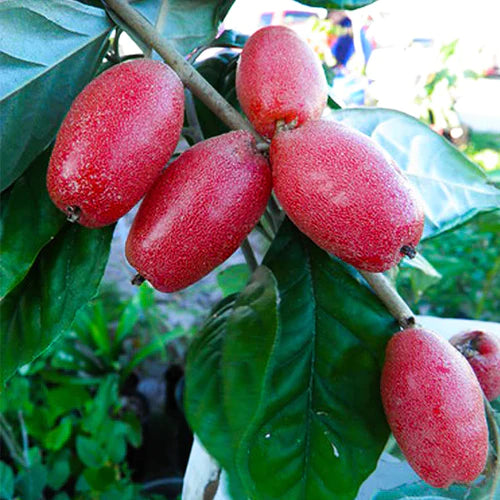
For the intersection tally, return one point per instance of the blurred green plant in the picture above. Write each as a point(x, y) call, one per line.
point(64, 420)
point(463, 281)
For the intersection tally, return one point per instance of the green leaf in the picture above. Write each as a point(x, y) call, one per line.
point(63, 279)
point(28, 222)
point(31, 482)
point(97, 411)
point(61, 496)
point(233, 279)
point(230, 39)
point(59, 470)
point(421, 273)
point(157, 344)
point(48, 52)
point(61, 400)
point(90, 452)
point(143, 299)
point(111, 436)
point(452, 187)
point(16, 396)
point(186, 23)
point(203, 398)
point(56, 438)
point(98, 328)
point(288, 400)
point(6, 481)
point(337, 4)
point(99, 479)
point(133, 429)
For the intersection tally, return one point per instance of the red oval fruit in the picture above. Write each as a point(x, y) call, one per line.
point(339, 188)
point(434, 407)
point(199, 211)
point(118, 135)
point(279, 77)
point(482, 350)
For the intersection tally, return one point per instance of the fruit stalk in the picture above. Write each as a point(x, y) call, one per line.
point(389, 296)
point(220, 107)
point(188, 75)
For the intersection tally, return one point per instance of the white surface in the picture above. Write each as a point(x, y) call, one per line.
point(447, 327)
point(201, 470)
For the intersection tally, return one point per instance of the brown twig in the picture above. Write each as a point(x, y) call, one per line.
point(189, 76)
point(390, 297)
point(220, 107)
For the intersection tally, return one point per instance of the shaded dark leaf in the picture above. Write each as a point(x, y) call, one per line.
point(64, 278)
point(28, 221)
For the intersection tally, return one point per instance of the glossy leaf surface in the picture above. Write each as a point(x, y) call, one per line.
point(48, 52)
point(453, 188)
point(293, 407)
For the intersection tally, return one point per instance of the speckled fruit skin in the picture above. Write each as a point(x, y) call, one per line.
point(199, 211)
point(279, 77)
point(434, 406)
point(340, 189)
point(482, 350)
point(118, 135)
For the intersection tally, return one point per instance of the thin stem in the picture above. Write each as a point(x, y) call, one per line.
point(390, 297)
point(221, 108)
point(189, 76)
point(8, 438)
point(116, 42)
point(270, 220)
point(249, 255)
point(262, 230)
point(24, 434)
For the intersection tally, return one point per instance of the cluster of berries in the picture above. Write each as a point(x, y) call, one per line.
point(335, 184)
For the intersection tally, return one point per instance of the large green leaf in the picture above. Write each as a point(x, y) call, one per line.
point(453, 188)
point(64, 278)
point(48, 53)
point(186, 23)
point(203, 396)
point(337, 4)
point(28, 221)
point(283, 386)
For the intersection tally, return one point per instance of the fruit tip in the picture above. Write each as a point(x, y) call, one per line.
point(73, 213)
point(138, 280)
point(409, 251)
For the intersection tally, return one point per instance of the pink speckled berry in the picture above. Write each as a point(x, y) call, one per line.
point(118, 135)
point(482, 350)
point(199, 211)
point(434, 406)
point(279, 77)
point(340, 189)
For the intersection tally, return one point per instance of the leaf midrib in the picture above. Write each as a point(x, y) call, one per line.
point(241, 451)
